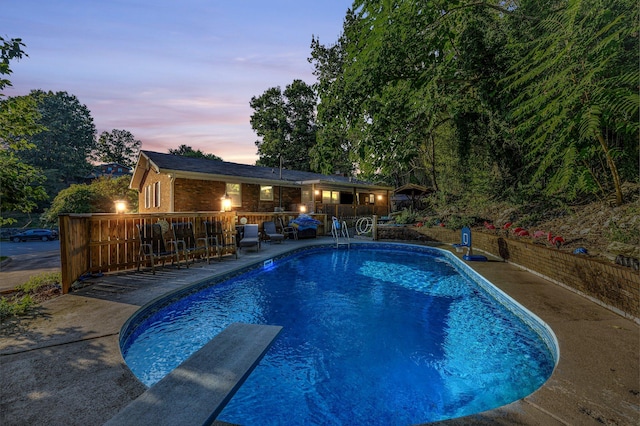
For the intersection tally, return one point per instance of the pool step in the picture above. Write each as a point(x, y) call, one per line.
point(198, 389)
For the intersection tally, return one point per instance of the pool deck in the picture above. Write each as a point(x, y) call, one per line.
point(64, 367)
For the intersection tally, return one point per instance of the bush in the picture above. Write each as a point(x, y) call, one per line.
point(37, 287)
point(406, 216)
point(37, 282)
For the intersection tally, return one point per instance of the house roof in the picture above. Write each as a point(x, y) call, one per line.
point(201, 168)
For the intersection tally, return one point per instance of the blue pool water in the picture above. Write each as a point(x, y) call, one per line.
point(371, 336)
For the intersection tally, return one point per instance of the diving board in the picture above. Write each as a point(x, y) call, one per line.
point(197, 390)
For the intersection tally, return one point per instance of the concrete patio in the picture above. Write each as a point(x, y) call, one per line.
point(64, 367)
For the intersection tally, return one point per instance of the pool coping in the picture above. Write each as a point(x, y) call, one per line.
point(49, 358)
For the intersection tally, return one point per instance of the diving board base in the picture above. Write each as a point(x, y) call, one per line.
point(475, 257)
point(196, 391)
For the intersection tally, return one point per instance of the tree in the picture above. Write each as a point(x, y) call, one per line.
point(187, 151)
point(117, 146)
point(20, 183)
point(286, 123)
point(97, 197)
point(62, 150)
point(578, 97)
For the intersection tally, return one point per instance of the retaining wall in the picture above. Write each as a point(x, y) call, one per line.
point(613, 286)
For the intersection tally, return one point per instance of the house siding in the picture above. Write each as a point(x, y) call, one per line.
point(165, 193)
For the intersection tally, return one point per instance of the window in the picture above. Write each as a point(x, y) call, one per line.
point(156, 194)
point(233, 191)
point(147, 196)
point(330, 197)
point(266, 193)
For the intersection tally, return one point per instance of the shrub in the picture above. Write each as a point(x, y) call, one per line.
point(406, 216)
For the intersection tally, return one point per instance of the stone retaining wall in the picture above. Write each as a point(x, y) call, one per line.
point(613, 286)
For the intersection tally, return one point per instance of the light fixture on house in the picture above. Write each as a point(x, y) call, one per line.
point(379, 197)
point(303, 209)
point(121, 206)
point(226, 203)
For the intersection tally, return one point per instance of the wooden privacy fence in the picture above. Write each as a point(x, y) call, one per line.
point(94, 243)
point(103, 242)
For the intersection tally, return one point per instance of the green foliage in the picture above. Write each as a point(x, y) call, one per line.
point(23, 301)
point(97, 197)
point(62, 150)
point(459, 222)
point(20, 182)
point(20, 188)
point(117, 146)
point(286, 123)
point(10, 49)
point(626, 235)
point(187, 151)
point(37, 282)
point(513, 101)
point(406, 216)
point(15, 306)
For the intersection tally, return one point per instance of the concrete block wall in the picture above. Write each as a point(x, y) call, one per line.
point(613, 286)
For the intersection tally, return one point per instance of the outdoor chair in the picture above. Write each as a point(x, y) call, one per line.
point(153, 247)
point(271, 233)
point(288, 231)
point(251, 237)
point(187, 243)
point(220, 241)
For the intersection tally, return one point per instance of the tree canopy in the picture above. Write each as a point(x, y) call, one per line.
point(20, 183)
point(285, 120)
point(64, 148)
point(117, 146)
point(494, 99)
point(187, 151)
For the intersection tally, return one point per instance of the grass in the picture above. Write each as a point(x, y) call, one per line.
point(26, 296)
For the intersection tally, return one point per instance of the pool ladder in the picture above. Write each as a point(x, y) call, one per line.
point(340, 233)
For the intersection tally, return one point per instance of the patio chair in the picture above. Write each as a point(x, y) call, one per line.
point(153, 247)
point(187, 243)
point(251, 236)
point(288, 231)
point(270, 231)
point(220, 241)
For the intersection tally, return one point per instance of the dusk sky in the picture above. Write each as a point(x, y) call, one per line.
point(170, 72)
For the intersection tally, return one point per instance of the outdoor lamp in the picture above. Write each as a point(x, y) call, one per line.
point(380, 197)
point(121, 206)
point(226, 203)
point(303, 209)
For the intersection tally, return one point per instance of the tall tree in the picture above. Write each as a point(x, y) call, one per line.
point(117, 146)
point(20, 183)
point(578, 97)
point(64, 149)
point(187, 151)
point(286, 123)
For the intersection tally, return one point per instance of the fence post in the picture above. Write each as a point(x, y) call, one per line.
point(65, 245)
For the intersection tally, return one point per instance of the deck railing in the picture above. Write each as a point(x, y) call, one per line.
point(101, 242)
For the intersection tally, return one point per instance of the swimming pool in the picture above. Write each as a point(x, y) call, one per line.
point(378, 334)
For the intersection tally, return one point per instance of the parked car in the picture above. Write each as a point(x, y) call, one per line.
point(35, 234)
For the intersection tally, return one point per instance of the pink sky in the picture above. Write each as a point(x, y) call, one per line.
point(169, 72)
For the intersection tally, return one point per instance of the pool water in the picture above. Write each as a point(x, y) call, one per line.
point(370, 336)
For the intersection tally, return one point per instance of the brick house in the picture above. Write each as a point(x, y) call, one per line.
point(170, 183)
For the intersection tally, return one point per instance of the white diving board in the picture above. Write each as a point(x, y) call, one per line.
point(197, 390)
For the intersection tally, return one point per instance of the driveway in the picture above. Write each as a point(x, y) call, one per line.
point(27, 259)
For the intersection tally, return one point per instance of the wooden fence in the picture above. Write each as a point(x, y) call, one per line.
point(100, 243)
